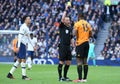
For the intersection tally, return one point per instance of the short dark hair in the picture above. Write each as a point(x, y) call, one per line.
point(81, 15)
point(31, 34)
point(24, 17)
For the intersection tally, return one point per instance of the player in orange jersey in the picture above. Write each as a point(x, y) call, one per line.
point(15, 49)
point(82, 31)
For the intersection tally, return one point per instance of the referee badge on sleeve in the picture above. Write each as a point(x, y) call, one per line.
point(66, 31)
point(78, 55)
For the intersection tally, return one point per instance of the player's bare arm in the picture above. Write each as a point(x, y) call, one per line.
point(90, 34)
point(73, 42)
point(74, 32)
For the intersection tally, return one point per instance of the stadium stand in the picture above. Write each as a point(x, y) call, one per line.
point(111, 48)
point(45, 16)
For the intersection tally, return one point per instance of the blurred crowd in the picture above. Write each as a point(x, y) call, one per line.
point(111, 48)
point(46, 17)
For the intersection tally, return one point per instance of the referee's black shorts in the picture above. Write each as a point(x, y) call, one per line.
point(64, 53)
point(82, 50)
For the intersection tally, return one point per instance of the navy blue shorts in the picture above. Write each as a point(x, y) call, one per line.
point(22, 51)
point(30, 54)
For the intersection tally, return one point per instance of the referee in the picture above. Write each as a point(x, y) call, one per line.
point(64, 46)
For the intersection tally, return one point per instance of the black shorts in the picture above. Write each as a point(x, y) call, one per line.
point(82, 50)
point(64, 53)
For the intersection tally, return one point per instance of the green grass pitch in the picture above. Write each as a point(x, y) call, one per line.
point(47, 74)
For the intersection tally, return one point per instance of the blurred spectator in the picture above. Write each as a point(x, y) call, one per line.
point(111, 48)
point(45, 16)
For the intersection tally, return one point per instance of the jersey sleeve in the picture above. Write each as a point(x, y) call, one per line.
point(76, 26)
point(61, 25)
point(21, 33)
point(35, 40)
point(27, 32)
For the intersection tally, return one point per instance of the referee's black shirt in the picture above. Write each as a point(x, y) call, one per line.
point(65, 34)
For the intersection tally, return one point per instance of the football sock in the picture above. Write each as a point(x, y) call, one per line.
point(23, 66)
point(15, 60)
point(60, 70)
point(29, 62)
point(85, 71)
point(79, 70)
point(66, 67)
point(94, 62)
point(16, 64)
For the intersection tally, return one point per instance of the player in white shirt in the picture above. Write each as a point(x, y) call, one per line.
point(23, 39)
point(32, 47)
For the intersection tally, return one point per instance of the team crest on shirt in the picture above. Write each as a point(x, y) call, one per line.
point(66, 31)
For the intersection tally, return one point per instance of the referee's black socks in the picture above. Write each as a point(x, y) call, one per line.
point(79, 70)
point(60, 70)
point(66, 67)
point(85, 71)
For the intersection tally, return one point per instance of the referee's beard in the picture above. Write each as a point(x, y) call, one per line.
point(67, 24)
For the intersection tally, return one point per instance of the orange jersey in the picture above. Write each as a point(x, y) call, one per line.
point(15, 44)
point(83, 30)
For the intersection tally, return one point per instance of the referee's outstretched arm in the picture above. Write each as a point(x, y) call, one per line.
point(64, 13)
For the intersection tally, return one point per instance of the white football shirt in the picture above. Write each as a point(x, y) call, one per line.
point(23, 35)
point(31, 44)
